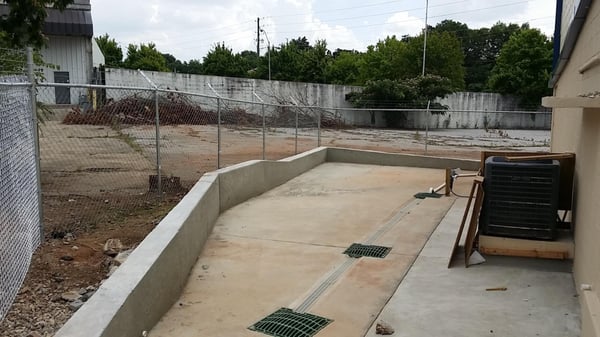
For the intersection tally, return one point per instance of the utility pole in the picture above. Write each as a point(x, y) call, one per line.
point(257, 36)
point(425, 36)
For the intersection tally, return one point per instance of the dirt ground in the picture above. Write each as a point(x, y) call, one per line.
point(95, 182)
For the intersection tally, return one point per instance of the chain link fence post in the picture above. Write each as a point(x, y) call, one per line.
point(35, 134)
point(158, 164)
point(318, 128)
point(218, 133)
point(296, 117)
point(264, 129)
point(427, 116)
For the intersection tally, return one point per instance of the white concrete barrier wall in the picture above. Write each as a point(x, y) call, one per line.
point(136, 296)
point(480, 120)
point(460, 116)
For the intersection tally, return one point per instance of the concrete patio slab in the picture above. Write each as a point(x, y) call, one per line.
point(433, 301)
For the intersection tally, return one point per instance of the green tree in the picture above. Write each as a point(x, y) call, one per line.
point(344, 67)
point(24, 23)
point(194, 67)
point(444, 57)
point(220, 61)
point(480, 47)
point(285, 61)
point(484, 49)
point(385, 60)
point(113, 54)
point(248, 61)
point(173, 64)
point(523, 67)
point(313, 63)
point(412, 93)
point(145, 57)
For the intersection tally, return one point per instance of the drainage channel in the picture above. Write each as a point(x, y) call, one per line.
point(342, 268)
point(297, 322)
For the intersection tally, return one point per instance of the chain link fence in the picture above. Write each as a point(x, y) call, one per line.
point(121, 150)
point(20, 227)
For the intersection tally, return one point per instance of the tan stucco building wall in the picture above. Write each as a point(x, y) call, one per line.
point(578, 130)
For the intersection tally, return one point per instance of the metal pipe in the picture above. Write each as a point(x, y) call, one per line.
point(425, 36)
point(147, 79)
point(427, 126)
point(263, 132)
point(437, 189)
point(318, 128)
point(16, 84)
point(218, 125)
point(263, 123)
point(296, 136)
point(218, 133)
point(36, 138)
point(158, 164)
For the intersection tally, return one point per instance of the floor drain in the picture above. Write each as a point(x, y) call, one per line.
point(287, 323)
point(360, 250)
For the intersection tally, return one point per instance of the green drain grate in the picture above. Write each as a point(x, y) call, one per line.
point(360, 250)
point(287, 323)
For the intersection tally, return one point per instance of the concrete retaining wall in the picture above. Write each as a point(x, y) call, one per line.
point(342, 155)
point(241, 182)
point(136, 296)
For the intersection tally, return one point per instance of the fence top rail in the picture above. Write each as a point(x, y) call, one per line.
point(92, 86)
point(298, 106)
point(15, 84)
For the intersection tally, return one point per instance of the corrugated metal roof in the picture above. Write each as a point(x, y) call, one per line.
point(71, 22)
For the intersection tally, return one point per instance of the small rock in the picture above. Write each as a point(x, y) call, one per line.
point(112, 247)
point(24, 290)
point(87, 296)
point(75, 248)
point(90, 288)
point(205, 267)
point(75, 305)
point(112, 271)
point(383, 328)
point(82, 291)
point(121, 257)
point(106, 201)
point(71, 296)
point(67, 258)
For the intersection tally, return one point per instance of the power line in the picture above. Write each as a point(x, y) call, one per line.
point(372, 15)
point(419, 18)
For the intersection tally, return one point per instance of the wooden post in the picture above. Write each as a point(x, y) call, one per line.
point(448, 181)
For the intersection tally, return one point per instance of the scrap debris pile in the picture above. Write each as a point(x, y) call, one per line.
point(174, 109)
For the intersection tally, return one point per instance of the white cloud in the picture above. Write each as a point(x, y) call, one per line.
point(188, 29)
point(402, 23)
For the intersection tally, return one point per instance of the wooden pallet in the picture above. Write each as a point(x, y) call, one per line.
point(560, 249)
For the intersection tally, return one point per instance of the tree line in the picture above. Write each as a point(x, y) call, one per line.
point(505, 58)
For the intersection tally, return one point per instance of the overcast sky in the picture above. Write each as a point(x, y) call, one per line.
point(188, 29)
